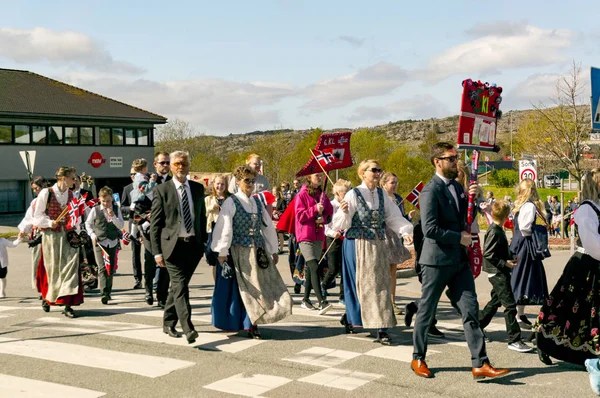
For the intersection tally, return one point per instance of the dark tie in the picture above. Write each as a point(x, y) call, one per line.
point(187, 216)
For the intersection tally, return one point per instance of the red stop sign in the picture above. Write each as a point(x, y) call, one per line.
point(96, 159)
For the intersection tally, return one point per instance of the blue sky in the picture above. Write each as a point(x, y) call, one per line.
point(239, 66)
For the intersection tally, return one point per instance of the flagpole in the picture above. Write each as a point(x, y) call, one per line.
point(326, 175)
point(327, 251)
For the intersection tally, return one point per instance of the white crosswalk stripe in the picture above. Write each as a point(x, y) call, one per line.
point(19, 387)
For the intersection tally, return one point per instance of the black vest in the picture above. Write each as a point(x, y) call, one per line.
point(102, 228)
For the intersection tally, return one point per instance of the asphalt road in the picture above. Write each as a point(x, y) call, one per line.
point(119, 350)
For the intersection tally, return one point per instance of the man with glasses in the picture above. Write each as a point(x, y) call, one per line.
point(161, 165)
point(444, 262)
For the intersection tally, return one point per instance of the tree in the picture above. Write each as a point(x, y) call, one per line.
point(171, 137)
point(557, 133)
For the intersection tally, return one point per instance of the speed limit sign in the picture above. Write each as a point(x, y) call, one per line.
point(527, 169)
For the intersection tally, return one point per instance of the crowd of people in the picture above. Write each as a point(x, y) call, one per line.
point(358, 236)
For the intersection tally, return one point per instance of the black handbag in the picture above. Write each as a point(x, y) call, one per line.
point(540, 241)
point(261, 258)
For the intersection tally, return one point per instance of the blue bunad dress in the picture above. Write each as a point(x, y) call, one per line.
point(254, 295)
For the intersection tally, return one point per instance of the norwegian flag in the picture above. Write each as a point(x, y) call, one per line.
point(126, 238)
point(265, 197)
point(72, 215)
point(335, 147)
point(324, 158)
point(91, 202)
point(106, 259)
point(413, 196)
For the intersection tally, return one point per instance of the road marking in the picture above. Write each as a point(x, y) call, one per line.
point(74, 354)
point(19, 387)
point(396, 353)
point(340, 378)
point(324, 357)
point(250, 386)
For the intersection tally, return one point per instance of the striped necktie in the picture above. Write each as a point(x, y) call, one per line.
point(187, 215)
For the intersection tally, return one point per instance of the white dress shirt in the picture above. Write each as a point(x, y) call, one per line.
point(451, 189)
point(393, 216)
point(329, 231)
point(4, 243)
point(223, 232)
point(526, 218)
point(183, 233)
point(587, 226)
point(40, 218)
point(117, 220)
point(26, 223)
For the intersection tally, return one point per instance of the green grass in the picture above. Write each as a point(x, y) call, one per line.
point(10, 234)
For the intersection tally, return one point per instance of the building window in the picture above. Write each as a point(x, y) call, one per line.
point(142, 135)
point(86, 136)
point(22, 135)
point(104, 136)
point(5, 134)
point(130, 137)
point(117, 136)
point(71, 136)
point(38, 134)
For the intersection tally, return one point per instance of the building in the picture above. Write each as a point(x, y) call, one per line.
point(62, 125)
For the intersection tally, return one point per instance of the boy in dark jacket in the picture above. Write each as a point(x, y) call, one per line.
point(498, 264)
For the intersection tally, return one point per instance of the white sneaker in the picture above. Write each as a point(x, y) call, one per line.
point(519, 346)
point(3, 288)
point(324, 307)
point(307, 305)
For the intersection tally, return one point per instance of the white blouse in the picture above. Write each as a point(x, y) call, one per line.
point(393, 216)
point(40, 218)
point(223, 231)
point(526, 219)
point(26, 223)
point(587, 226)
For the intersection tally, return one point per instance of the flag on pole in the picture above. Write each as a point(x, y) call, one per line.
point(126, 238)
point(72, 215)
point(333, 150)
point(324, 158)
point(265, 197)
point(413, 196)
point(106, 259)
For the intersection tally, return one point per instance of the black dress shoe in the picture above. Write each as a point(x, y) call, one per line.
point(171, 331)
point(162, 304)
point(137, 285)
point(104, 300)
point(149, 299)
point(348, 329)
point(409, 311)
point(68, 312)
point(191, 336)
point(45, 306)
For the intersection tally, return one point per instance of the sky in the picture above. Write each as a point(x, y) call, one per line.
point(240, 66)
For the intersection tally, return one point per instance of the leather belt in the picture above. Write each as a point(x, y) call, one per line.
point(186, 239)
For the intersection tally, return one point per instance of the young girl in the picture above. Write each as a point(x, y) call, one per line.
point(4, 243)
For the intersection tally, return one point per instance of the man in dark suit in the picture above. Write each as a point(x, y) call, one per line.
point(178, 237)
point(444, 262)
point(136, 245)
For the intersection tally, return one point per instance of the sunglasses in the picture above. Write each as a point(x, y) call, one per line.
point(249, 180)
point(132, 174)
point(375, 170)
point(165, 163)
point(181, 164)
point(451, 159)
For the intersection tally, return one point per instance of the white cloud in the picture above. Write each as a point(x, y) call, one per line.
point(504, 47)
point(213, 106)
point(59, 48)
point(379, 79)
point(418, 107)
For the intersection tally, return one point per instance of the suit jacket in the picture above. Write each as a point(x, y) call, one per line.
point(159, 180)
point(495, 250)
point(166, 218)
point(126, 200)
point(442, 224)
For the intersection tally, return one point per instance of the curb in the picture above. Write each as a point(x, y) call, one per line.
point(406, 273)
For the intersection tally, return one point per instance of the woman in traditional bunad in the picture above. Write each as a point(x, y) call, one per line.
point(568, 323)
point(59, 276)
point(213, 203)
point(397, 253)
point(26, 227)
point(364, 213)
point(313, 210)
point(529, 276)
point(249, 290)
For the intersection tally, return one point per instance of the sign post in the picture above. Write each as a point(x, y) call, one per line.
point(29, 161)
point(528, 169)
point(595, 100)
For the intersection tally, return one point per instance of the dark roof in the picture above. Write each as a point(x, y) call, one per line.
point(29, 94)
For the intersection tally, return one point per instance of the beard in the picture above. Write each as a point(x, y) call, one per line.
point(450, 172)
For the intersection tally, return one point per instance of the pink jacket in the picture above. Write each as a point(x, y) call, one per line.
point(306, 215)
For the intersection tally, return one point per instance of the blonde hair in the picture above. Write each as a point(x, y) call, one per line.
point(252, 156)
point(212, 183)
point(386, 177)
point(139, 164)
point(105, 191)
point(589, 185)
point(362, 167)
point(64, 171)
point(342, 184)
point(527, 192)
point(500, 210)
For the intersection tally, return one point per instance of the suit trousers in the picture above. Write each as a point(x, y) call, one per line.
point(502, 296)
point(181, 266)
point(162, 286)
point(459, 280)
point(136, 261)
point(105, 281)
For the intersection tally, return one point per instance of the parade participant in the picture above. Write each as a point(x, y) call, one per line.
point(568, 322)
point(26, 227)
point(249, 290)
point(364, 213)
point(213, 204)
point(529, 277)
point(141, 194)
point(59, 276)
point(335, 239)
point(443, 205)
point(178, 236)
point(103, 224)
point(262, 183)
point(397, 253)
point(498, 264)
point(4, 243)
point(313, 210)
point(136, 245)
point(278, 208)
